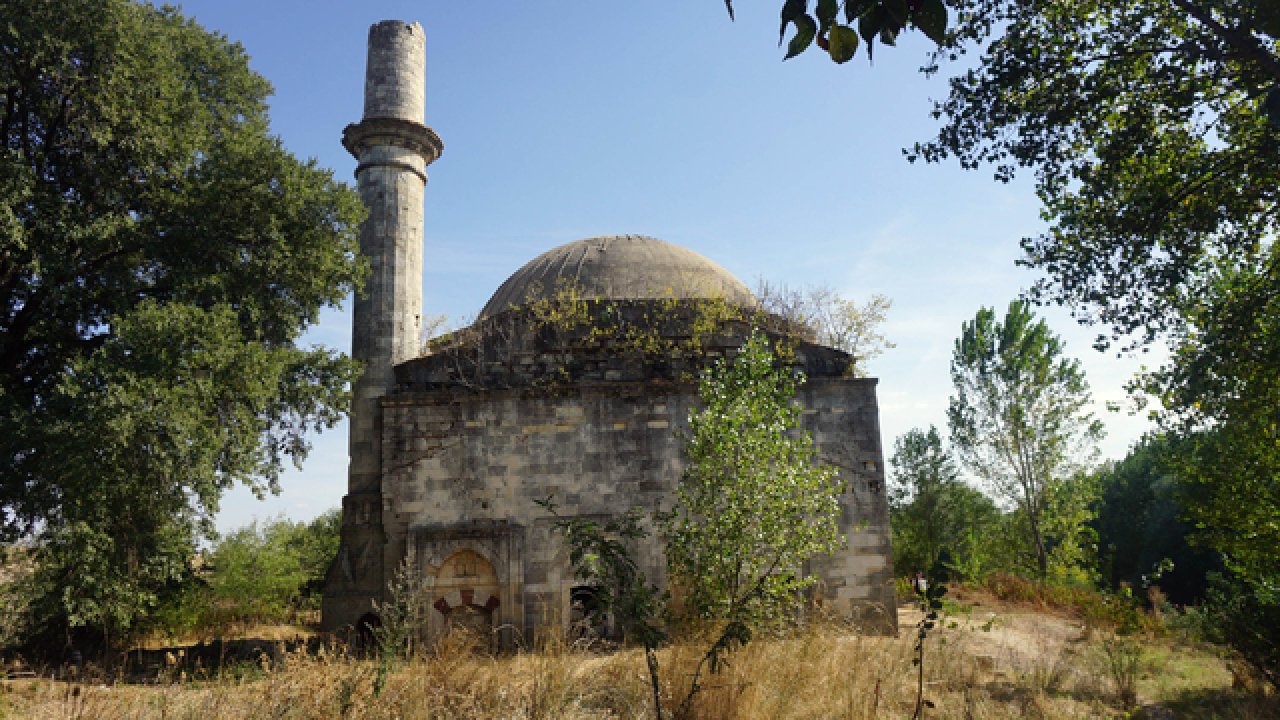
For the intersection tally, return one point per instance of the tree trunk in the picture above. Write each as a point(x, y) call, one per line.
point(1042, 555)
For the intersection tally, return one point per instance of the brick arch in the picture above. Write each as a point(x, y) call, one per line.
point(447, 603)
point(465, 579)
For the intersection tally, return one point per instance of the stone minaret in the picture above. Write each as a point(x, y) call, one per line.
point(393, 148)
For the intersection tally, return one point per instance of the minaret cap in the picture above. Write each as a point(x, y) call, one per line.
point(394, 96)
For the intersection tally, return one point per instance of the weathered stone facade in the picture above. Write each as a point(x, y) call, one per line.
point(474, 465)
point(451, 450)
point(392, 148)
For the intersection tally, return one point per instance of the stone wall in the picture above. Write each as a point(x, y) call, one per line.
point(608, 341)
point(844, 418)
point(469, 461)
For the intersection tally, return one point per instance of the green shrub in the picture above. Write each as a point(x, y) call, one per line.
point(1117, 611)
point(270, 572)
point(1245, 615)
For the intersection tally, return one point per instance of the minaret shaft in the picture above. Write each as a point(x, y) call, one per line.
point(392, 147)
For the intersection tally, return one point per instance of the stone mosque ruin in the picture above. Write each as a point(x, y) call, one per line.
point(450, 450)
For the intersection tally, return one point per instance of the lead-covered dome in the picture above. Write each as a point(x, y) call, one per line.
point(619, 267)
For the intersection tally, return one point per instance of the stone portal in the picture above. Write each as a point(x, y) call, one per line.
point(465, 594)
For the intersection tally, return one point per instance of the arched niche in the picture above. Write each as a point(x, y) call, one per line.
point(465, 594)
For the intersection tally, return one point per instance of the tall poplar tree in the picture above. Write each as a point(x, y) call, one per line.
point(1019, 416)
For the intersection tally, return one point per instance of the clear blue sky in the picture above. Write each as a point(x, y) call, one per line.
point(567, 119)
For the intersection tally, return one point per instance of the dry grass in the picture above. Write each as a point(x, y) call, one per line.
point(1029, 665)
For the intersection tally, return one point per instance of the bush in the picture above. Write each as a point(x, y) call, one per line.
point(1245, 615)
point(15, 594)
point(261, 573)
point(1096, 608)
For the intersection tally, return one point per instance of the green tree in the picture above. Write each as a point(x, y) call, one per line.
point(1018, 417)
point(1244, 613)
point(1219, 394)
point(1143, 537)
point(161, 253)
point(254, 575)
point(936, 518)
point(1070, 539)
point(316, 544)
point(921, 521)
point(89, 586)
point(269, 572)
point(752, 506)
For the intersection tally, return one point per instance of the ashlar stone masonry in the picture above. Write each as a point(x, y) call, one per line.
point(450, 450)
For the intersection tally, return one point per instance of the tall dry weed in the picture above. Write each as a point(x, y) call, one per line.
point(824, 671)
point(1123, 659)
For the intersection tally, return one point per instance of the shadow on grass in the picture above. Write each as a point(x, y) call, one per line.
point(218, 659)
point(1224, 704)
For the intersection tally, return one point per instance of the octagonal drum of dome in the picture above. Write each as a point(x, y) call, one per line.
point(619, 267)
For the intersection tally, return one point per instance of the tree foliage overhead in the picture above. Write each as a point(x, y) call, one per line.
point(839, 26)
point(1019, 417)
point(160, 253)
point(1219, 393)
point(1153, 130)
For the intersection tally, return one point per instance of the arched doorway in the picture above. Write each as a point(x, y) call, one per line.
point(365, 638)
point(465, 595)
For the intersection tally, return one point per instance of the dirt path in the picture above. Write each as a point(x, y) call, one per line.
point(979, 608)
point(1014, 647)
point(1005, 638)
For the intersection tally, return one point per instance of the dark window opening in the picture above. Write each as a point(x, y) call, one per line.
point(367, 628)
point(589, 621)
